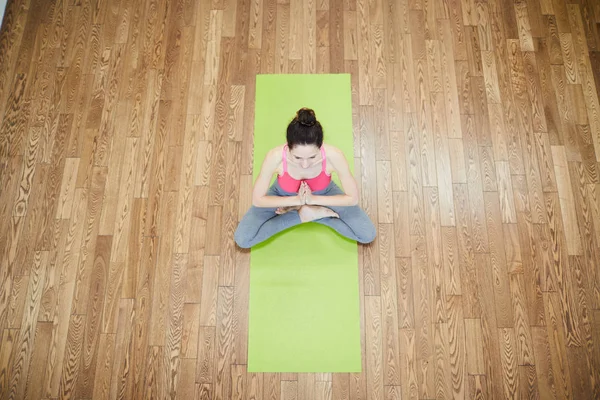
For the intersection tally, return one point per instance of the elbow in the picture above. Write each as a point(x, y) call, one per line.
point(257, 201)
point(354, 200)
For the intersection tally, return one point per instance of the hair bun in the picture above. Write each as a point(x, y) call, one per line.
point(306, 117)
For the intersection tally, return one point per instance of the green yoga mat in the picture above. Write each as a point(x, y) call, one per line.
point(304, 300)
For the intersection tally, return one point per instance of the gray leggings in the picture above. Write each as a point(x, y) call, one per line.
point(260, 223)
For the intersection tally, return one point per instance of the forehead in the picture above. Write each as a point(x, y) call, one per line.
point(305, 150)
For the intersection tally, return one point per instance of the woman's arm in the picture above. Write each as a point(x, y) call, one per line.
point(261, 186)
point(350, 198)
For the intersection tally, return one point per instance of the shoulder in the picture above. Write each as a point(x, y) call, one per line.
point(274, 156)
point(335, 155)
point(276, 152)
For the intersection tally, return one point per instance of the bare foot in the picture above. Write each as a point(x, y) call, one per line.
point(283, 210)
point(311, 213)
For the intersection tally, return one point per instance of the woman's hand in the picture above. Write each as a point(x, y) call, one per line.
point(305, 193)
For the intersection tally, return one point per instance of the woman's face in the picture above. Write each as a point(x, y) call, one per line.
point(305, 155)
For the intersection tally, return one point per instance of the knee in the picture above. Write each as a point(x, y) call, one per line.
point(369, 234)
point(240, 239)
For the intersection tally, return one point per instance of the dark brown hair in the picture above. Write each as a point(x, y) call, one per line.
point(304, 129)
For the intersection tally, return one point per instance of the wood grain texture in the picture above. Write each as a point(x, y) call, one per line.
point(389, 302)
point(126, 152)
point(567, 202)
point(374, 341)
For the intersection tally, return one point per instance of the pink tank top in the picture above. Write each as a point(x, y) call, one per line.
point(289, 184)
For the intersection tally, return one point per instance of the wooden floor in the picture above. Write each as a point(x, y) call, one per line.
point(126, 160)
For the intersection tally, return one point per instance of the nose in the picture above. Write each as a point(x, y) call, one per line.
point(305, 164)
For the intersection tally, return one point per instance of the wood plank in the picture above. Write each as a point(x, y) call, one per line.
point(407, 73)
point(449, 74)
point(121, 381)
point(463, 86)
point(92, 333)
point(529, 384)
point(442, 161)
point(424, 316)
point(143, 309)
point(238, 381)
point(434, 255)
point(384, 192)
point(475, 189)
point(532, 260)
point(365, 61)
point(398, 161)
point(505, 192)
point(381, 126)
point(215, 31)
point(379, 55)
point(205, 370)
point(350, 35)
point(442, 360)
point(240, 307)
point(488, 167)
point(35, 379)
point(255, 34)
point(478, 387)
point(104, 364)
point(389, 306)
point(524, 347)
point(289, 390)
point(424, 124)
point(71, 366)
point(255, 385)
point(571, 69)
point(404, 290)
point(490, 77)
point(20, 370)
point(190, 329)
point(224, 342)
point(434, 67)
point(474, 336)
point(457, 161)
point(489, 330)
point(173, 343)
point(393, 25)
point(545, 374)
point(415, 191)
point(510, 369)
point(457, 347)
point(186, 386)
point(272, 386)
point(210, 284)
point(374, 344)
point(556, 348)
point(500, 278)
point(473, 51)
point(524, 26)
point(410, 388)
point(469, 286)
point(567, 202)
point(282, 42)
point(306, 385)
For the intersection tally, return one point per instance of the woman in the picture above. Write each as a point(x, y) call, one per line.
point(304, 191)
